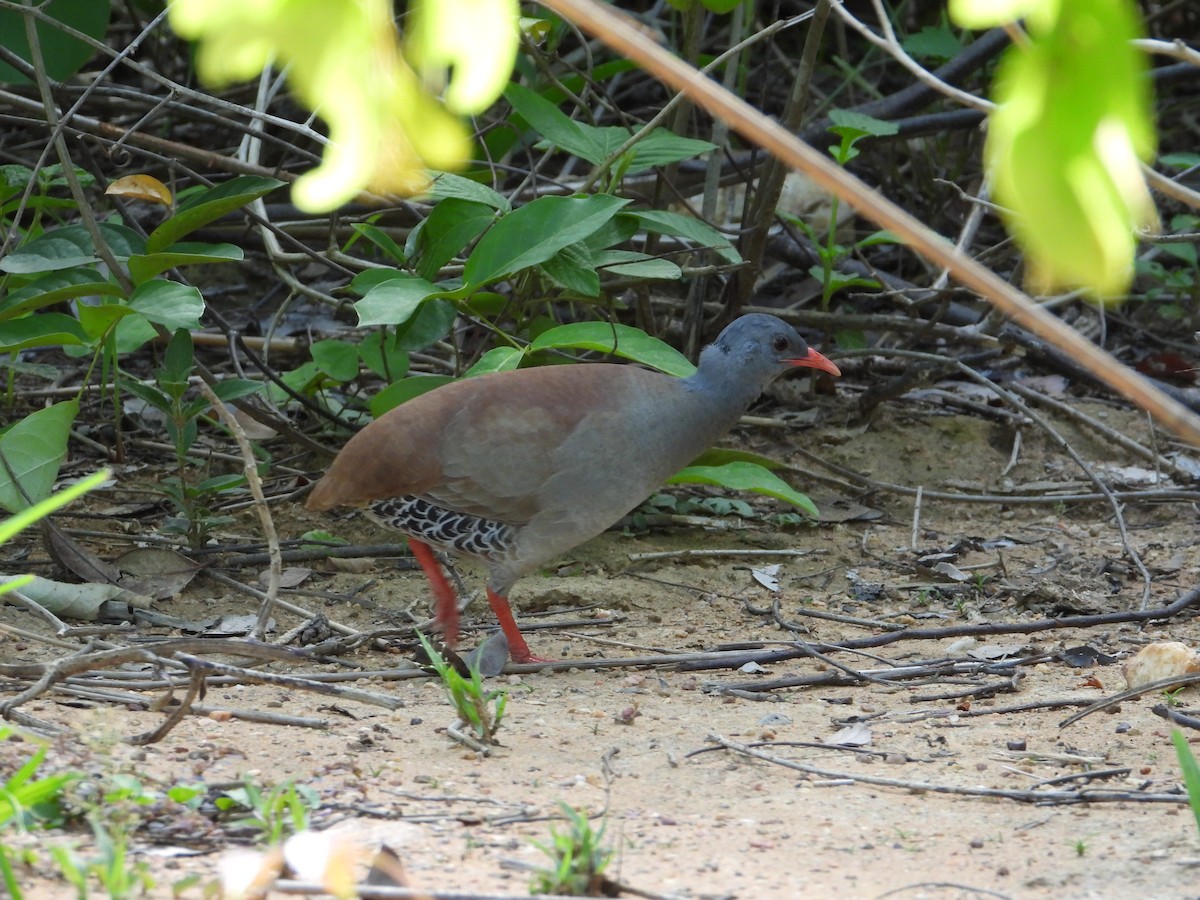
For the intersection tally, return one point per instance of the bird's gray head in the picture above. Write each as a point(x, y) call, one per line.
point(755, 349)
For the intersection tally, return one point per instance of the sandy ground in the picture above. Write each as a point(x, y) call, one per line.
point(633, 745)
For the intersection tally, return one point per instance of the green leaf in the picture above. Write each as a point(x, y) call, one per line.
point(144, 267)
point(394, 301)
point(432, 322)
point(662, 147)
point(447, 184)
point(854, 125)
point(209, 205)
point(169, 304)
point(1064, 144)
point(745, 476)
point(337, 359)
point(661, 221)
point(56, 287)
point(405, 389)
point(619, 340)
point(41, 330)
point(98, 319)
point(380, 239)
point(937, 43)
point(234, 388)
point(62, 54)
point(69, 247)
point(573, 269)
point(1191, 771)
point(557, 127)
point(381, 353)
point(536, 232)
point(451, 225)
point(33, 450)
point(719, 456)
point(632, 264)
point(498, 359)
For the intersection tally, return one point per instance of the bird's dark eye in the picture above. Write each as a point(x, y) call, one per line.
point(779, 343)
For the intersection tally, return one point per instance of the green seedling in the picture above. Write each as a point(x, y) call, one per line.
point(194, 499)
point(477, 707)
point(277, 813)
point(578, 858)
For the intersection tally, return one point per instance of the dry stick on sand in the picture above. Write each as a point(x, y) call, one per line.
point(1040, 797)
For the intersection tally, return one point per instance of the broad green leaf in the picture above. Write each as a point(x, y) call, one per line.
point(498, 359)
point(97, 319)
point(719, 456)
point(33, 450)
point(69, 247)
point(62, 54)
point(234, 388)
point(381, 239)
point(556, 126)
point(745, 476)
point(144, 267)
point(337, 359)
point(41, 330)
point(381, 353)
point(405, 389)
point(938, 43)
point(432, 322)
point(447, 184)
point(619, 340)
point(169, 304)
point(1063, 147)
point(209, 205)
point(574, 269)
point(394, 301)
point(661, 221)
point(451, 225)
point(662, 147)
point(632, 264)
point(133, 333)
point(536, 232)
point(849, 123)
point(56, 287)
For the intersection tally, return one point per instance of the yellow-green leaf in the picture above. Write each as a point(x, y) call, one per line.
point(1072, 122)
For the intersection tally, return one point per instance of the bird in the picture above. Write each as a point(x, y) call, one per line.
point(515, 468)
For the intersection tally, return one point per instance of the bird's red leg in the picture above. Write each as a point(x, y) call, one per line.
point(518, 650)
point(445, 615)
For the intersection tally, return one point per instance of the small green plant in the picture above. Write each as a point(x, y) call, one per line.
point(28, 802)
point(1191, 772)
point(277, 813)
point(850, 127)
point(193, 499)
point(111, 866)
point(1172, 697)
point(476, 706)
point(578, 857)
point(1081, 847)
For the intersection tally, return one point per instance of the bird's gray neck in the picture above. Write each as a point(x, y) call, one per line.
point(724, 382)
